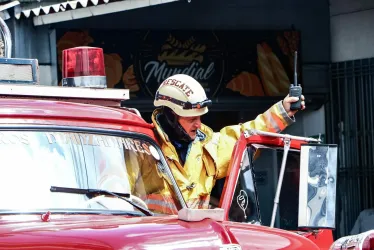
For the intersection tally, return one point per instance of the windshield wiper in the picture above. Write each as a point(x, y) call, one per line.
point(90, 193)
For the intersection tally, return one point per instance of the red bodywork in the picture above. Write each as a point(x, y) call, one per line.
point(87, 231)
point(323, 238)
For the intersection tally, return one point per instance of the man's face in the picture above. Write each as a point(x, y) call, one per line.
point(190, 125)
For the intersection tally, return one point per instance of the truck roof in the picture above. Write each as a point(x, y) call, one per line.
point(36, 111)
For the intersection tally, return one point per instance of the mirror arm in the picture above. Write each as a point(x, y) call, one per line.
point(287, 143)
point(250, 132)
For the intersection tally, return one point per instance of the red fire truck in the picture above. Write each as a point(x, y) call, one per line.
point(74, 158)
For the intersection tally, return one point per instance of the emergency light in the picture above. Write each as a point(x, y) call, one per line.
point(83, 67)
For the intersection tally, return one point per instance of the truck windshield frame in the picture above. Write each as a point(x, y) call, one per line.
point(256, 187)
point(158, 160)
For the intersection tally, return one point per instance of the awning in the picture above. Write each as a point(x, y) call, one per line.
point(77, 9)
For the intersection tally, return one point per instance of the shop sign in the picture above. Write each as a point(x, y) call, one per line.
point(163, 54)
point(234, 64)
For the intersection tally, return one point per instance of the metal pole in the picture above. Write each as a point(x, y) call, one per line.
point(287, 143)
point(5, 32)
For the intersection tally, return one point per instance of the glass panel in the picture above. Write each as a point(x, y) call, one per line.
point(32, 162)
point(267, 163)
point(243, 206)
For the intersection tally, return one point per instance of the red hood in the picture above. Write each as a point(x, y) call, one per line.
point(121, 232)
point(106, 232)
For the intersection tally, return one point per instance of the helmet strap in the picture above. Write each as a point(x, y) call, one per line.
point(173, 128)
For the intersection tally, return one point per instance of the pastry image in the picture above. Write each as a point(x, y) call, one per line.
point(246, 84)
point(113, 69)
point(266, 72)
point(129, 80)
point(280, 75)
point(273, 75)
point(177, 53)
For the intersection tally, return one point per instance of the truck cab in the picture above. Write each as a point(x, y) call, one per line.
point(80, 170)
point(68, 178)
point(83, 171)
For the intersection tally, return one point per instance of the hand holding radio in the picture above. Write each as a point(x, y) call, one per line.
point(287, 102)
point(294, 101)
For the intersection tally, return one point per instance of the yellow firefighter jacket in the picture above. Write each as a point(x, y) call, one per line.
point(209, 154)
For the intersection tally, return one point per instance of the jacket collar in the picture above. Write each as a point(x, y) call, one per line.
point(204, 134)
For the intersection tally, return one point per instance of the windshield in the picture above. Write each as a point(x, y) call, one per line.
point(33, 162)
point(256, 186)
point(266, 166)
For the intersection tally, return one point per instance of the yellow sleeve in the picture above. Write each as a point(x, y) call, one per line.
point(275, 119)
point(143, 174)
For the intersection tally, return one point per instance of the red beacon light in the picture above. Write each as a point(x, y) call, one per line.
point(83, 67)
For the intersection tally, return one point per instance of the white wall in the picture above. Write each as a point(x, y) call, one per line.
point(352, 29)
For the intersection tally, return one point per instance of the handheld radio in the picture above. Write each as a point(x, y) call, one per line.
point(295, 89)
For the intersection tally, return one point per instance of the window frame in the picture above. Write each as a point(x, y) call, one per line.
point(106, 132)
point(244, 167)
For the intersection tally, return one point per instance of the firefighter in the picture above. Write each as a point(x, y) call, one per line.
point(196, 155)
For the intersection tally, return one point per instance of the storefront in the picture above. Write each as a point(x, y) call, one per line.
point(233, 66)
point(241, 52)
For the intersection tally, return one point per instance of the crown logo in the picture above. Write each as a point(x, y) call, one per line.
point(178, 53)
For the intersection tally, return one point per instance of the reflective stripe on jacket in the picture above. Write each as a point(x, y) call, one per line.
point(209, 155)
point(160, 203)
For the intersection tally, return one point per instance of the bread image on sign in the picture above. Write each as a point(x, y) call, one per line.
point(246, 84)
point(177, 53)
point(273, 76)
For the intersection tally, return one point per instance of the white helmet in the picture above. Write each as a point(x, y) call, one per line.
point(183, 94)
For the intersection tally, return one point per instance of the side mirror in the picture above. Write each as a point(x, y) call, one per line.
point(317, 188)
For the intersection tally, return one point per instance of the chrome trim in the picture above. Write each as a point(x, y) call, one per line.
point(56, 92)
point(85, 82)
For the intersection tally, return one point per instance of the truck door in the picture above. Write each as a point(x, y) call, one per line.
point(239, 194)
point(249, 190)
point(240, 201)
